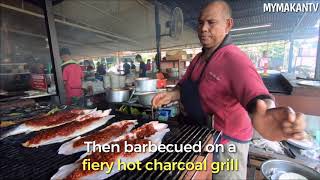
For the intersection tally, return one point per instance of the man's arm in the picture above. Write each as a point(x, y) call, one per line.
point(273, 123)
point(65, 75)
point(175, 94)
point(270, 103)
point(277, 123)
point(251, 106)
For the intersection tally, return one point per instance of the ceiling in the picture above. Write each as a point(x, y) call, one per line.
point(98, 28)
point(89, 27)
point(250, 13)
point(122, 25)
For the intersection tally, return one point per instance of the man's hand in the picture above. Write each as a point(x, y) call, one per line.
point(279, 123)
point(165, 98)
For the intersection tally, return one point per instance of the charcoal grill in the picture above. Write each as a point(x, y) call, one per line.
point(18, 162)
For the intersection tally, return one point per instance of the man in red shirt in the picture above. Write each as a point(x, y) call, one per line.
point(72, 77)
point(222, 82)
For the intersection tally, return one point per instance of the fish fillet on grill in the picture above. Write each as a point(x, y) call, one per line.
point(69, 130)
point(50, 121)
point(103, 136)
point(152, 132)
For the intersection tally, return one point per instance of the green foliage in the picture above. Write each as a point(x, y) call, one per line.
point(276, 51)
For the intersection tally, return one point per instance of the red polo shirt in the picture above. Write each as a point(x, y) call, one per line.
point(72, 75)
point(229, 82)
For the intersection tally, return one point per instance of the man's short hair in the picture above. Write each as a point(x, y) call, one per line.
point(225, 3)
point(138, 56)
point(64, 51)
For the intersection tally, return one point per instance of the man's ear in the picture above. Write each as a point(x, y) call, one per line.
point(229, 25)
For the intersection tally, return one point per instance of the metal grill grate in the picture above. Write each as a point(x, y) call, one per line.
point(183, 135)
point(17, 162)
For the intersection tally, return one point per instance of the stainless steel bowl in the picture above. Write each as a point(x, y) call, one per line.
point(268, 167)
point(117, 95)
point(145, 85)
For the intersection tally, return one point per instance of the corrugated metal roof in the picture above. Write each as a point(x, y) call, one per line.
point(97, 27)
point(250, 13)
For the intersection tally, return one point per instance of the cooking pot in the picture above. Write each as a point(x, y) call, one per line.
point(273, 169)
point(106, 81)
point(146, 85)
point(145, 98)
point(118, 82)
point(117, 95)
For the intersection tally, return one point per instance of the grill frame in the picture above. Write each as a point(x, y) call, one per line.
point(18, 162)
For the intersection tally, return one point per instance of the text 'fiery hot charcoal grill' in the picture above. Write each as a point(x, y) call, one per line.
point(17, 162)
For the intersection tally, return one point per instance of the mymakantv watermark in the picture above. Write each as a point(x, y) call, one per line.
point(291, 7)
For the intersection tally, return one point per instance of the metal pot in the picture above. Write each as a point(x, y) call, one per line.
point(106, 81)
point(118, 81)
point(146, 85)
point(281, 165)
point(117, 95)
point(145, 98)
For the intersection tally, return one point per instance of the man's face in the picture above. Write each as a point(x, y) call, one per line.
point(65, 57)
point(213, 26)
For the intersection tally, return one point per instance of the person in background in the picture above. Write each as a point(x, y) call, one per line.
point(126, 67)
point(155, 64)
point(72, 77)
point(100, 69)
point(104, 65)
point(83, 67)
point(148, 65)
point(132, 66)
point(143, 68)
point(222, 83)
point(36, 67)
point(33, 64)
point(263, 63)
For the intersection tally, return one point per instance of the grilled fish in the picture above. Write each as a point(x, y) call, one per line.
point(152, 131)
point(48, 122)
point(69, 130)
point(103, 136)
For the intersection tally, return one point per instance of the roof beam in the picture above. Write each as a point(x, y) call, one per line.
point(109, 34)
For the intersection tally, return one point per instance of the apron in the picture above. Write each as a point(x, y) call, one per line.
point(191, 100)
point(190, 96)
